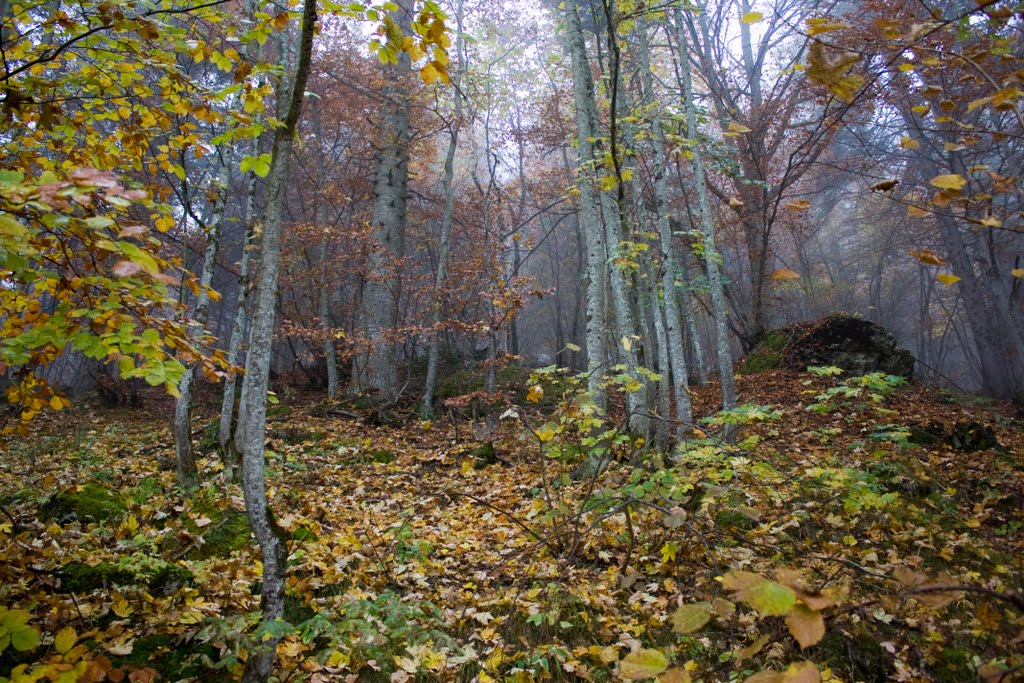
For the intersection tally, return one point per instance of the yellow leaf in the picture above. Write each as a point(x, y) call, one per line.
point(130, 525)
point(819, 25)
point(120, 606)
point(947, 279)
point(917, 212)
point(535, 393)
point(991, 222)
point(56, 403)
point(752, 17)
point(798, 205)
point(65, 640)
point(429, 73)
point(1017, 272)
point(951, 182)
point(636, 666)
point(928, 257)
point(785, 274)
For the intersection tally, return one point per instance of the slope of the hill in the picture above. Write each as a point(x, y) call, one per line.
point(850, 519)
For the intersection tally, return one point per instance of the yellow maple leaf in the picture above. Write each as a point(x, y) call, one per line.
point(535, 393)
point(947, 279)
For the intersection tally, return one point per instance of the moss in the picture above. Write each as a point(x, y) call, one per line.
point(155, 574)
point(90, 502)
point(954, 664)
point(484, 455)
point(172, 659)
point(767, 355)
point(858, 655)
point(734, 519)
point(229, 532)
point(145, 490)
point(209, 439)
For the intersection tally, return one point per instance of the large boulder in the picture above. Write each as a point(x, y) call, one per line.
point(856, 345)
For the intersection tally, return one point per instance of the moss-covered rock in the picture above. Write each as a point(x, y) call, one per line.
point(767, 355)
point(157, 575)
point(90, 502)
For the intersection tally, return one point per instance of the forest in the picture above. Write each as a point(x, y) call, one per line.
point(492, 340)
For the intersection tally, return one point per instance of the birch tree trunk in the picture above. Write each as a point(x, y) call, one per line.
point(718, 303)
point(184, 457)
point(253, 407)
point(374, 370)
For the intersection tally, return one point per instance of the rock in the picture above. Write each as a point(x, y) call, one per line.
point(972, 436)
point(964, 435)
point(857, 346)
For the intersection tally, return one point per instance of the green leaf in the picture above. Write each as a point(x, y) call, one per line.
point(690, 618)
point(643, 664)
point(771, 599)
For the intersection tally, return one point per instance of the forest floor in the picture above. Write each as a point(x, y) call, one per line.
point(411, 561)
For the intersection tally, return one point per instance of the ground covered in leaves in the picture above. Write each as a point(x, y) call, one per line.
point(848, 536)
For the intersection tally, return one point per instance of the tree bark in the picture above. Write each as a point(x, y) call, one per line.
point(447, 219)
point(185, 462)
point(597, 254)
point(374, 370)
point(670, 304)
point(253, 408)
point(707, 227)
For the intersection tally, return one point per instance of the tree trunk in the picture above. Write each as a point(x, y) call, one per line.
point(253, 408)
point(670, 305)
point(427, 404)
point(707, 227)
point(597, 254)
point(374, 370)
point(225, 434)
point(185, 462)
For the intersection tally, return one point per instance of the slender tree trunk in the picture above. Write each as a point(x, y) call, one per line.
point(597, 254)
point(185, 462)
point(447, 218)
point(375, 369)
point(326, 326)
point(707, 227)
point(670, 305)
point(253, 408)
point(225, 434)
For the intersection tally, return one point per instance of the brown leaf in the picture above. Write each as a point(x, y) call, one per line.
point(806, 625)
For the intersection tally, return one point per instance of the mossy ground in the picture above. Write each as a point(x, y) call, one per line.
point(90, 502)
point(156, 574)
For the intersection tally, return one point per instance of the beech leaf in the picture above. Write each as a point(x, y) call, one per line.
point(690, 618)
point(643, 664)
